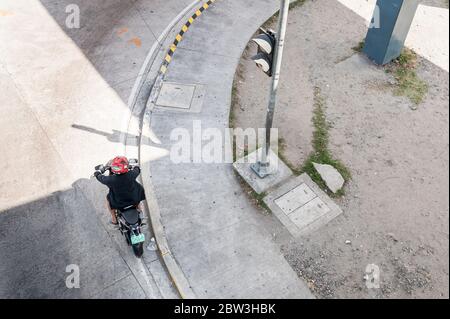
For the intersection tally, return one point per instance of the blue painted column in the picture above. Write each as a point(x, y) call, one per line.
point(389, 28)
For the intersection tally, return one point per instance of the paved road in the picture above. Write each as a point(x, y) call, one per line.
point(64, 98)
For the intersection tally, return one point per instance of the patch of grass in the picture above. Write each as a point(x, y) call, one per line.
point(296, 4)
point(411, 86)
point(260, 199)
point(235, 91)
point(408, 82)
point(404, 69)
point(238, 76)
point(320, 142)
point(234, 105)
point(359, 47)
point(257, 199)
point(235, 102)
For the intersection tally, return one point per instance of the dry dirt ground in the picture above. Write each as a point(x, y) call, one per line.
point(396, 207)
point(436, 3)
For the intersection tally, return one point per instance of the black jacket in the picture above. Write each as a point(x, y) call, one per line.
point(124, 190)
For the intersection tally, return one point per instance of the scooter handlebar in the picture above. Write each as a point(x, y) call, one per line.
point(101, 168)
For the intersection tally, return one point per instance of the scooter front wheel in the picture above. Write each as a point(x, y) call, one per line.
point(138, 250)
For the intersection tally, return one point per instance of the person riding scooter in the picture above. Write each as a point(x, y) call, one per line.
point(124, 190)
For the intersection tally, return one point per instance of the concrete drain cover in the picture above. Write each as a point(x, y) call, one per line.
point(309, 213)
point(176, 95)
point(301, 205)
point(180, 97)
point(295, 199)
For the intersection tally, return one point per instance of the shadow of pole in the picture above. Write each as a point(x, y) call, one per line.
point(116, 136)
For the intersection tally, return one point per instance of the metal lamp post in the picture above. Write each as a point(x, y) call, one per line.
point(263, 168)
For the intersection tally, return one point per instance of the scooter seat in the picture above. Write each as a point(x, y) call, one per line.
point(131, 216)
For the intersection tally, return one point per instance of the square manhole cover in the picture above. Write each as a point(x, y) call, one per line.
point(301, 206)
point(309, 213)
point(295, 199)
point(176, 95)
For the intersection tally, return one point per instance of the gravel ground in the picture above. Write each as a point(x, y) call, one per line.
point(396, 212)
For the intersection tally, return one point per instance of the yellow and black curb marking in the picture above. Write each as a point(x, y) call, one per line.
point(179, 37)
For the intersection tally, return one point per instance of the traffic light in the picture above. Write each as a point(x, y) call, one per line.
point(266, 42)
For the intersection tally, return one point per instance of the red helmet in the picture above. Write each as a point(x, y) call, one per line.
point(119, 165)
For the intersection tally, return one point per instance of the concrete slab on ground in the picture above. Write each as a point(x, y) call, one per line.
point(181, 97)
point(301, 206)
point(176, 95)
point(126, 288)
point(261, 185)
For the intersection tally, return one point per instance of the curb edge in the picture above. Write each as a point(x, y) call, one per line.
point(175, 272)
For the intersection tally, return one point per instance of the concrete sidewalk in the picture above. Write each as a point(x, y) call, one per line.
point(214, 232)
